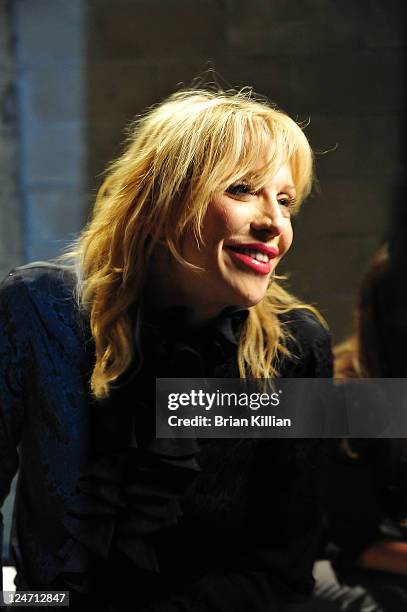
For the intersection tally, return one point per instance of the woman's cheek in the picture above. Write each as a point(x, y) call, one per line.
point(287, 238)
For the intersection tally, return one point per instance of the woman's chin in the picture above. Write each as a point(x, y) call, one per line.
point(249, 300)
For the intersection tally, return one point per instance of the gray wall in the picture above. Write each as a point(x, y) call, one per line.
point(11, 213)
point(51, 62)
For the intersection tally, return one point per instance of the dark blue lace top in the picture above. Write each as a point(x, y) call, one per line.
point(125, 520)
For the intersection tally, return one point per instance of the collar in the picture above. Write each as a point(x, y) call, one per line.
point(230, 321)
point(171, 322)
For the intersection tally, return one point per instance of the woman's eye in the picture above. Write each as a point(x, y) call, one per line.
point(240, 189)
point(286, 201)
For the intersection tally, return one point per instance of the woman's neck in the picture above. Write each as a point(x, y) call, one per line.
point(162, 292)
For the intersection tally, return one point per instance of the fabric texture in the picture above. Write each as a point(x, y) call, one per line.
point(125, 520)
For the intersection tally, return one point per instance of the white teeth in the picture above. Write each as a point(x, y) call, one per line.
point(259, 256)
point(256, 255)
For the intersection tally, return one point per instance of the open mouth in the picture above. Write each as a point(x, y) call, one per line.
point(257, 255)
point(251, 259)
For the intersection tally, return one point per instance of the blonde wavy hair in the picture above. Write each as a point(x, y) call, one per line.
point(178, 155)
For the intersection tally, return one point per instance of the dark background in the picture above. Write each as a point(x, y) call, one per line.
point(74, 72)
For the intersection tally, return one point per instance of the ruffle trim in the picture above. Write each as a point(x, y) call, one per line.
point(124, 498)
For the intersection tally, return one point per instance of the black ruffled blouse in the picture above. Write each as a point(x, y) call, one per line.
point(126, 521)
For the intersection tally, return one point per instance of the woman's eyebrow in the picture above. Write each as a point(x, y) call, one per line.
point(287, 188)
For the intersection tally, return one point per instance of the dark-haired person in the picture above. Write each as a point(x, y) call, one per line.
point(365, 492)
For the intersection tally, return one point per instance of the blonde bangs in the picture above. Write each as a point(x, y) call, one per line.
point(246, 136)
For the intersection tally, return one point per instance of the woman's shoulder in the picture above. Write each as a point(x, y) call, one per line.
point(39, 291)
point(309, 342)
point(304, 323)
point(38, 271)
point(40, 276)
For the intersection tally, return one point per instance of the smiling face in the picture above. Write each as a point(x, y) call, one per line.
point(245, 235)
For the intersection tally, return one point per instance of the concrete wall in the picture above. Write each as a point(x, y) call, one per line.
point(51, 61)
point(11, 218)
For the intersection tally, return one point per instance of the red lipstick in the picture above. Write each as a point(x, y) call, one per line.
point(242, 253)
point(257, 246)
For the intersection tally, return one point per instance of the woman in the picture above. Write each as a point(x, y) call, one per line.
point(174, 276)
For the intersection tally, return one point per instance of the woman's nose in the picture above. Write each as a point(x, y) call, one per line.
point(270, 218)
